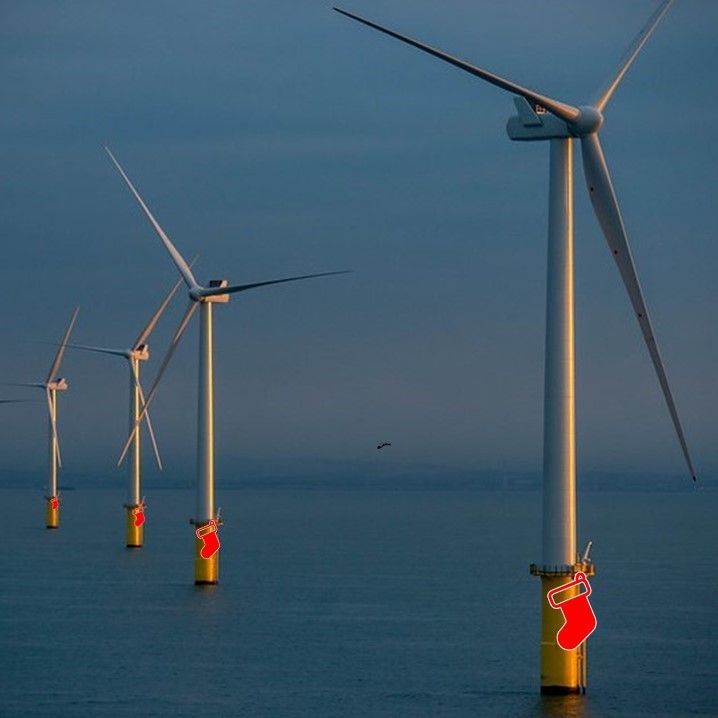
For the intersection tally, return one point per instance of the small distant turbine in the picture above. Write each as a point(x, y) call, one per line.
point(541, 118)
point(138, 352)
point(206, 570)
point(51, 386)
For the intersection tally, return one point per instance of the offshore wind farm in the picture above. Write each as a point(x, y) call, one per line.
point(375, 456)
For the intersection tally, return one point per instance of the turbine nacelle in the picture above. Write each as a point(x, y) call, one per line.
point(197, 294)
point(58, 385)
point(140, 353)
point(535, 123)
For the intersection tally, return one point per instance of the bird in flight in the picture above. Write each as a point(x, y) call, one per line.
point(383, 444)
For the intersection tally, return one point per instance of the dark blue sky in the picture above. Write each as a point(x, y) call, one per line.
point(275, 138)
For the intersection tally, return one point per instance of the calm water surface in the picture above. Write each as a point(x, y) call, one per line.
point(350, 603)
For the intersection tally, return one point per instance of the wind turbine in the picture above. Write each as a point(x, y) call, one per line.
point(206, 567)
point(138, 352)
point(542, 118)
point(51, 386)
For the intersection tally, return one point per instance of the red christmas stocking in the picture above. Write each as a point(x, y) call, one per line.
point(139, 514)
point(580, 620)
point(210, 539)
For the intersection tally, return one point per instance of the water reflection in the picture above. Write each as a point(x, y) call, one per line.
point(572, 706)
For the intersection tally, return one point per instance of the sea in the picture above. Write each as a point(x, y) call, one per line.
point(350, 601)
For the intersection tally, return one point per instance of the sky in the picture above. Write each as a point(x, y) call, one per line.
point(275, 138)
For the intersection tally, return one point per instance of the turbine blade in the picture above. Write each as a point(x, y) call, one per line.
point(138, 385)
point(152, 323)
point(566, 112)
point(153, 390)
point(177, 258)
point(155, 448)
point(53, 424)
point(631, 54)
point(605, 205)
point(34, 385)
point(232, 289)
point(18, 401)
point(61, 351)
point(99, 350)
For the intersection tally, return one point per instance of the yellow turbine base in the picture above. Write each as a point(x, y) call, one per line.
point(206, 570)
point(52, 516)
point(562, 671)
point(134, 534)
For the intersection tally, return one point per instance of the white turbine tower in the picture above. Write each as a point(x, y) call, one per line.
point(206, 567)
point(541, 118)
point(51, 386)
point(138, 352)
